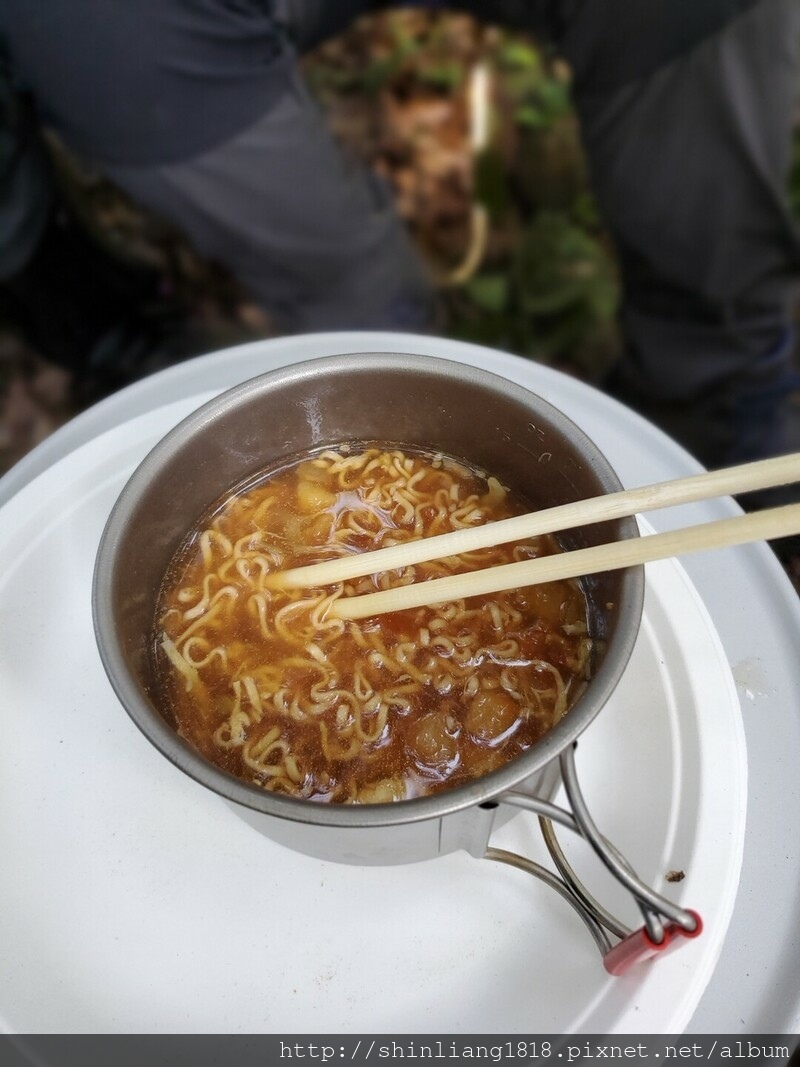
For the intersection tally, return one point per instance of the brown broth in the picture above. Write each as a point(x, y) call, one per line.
point(267, 687)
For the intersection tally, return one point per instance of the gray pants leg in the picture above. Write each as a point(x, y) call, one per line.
point(312, 235)
point(264, 189)
point(26, 192)
point(689, 165)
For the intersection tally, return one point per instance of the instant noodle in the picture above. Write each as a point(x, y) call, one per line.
point(267, 685)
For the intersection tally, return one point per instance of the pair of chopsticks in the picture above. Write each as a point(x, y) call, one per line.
point(757, 526)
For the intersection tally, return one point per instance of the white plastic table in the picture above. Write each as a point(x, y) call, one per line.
point(755, 987)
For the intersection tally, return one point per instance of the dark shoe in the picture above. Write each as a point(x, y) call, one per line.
point(146, 343)
point(72, 292)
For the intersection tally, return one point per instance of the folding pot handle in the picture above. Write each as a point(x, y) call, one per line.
point(665, 923)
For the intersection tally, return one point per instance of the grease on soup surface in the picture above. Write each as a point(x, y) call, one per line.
point(265, 685)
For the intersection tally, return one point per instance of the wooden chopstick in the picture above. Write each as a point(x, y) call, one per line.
point(757, 526)
point(762, 474)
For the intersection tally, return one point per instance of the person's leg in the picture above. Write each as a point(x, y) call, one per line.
point(310, 22)
point(313, 236)
point(58, 288)
point(265, 191)
point(689, 164)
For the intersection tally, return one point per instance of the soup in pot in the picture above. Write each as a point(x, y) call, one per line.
point(266, 684)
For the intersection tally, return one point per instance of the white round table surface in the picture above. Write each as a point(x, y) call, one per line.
point(755, 987)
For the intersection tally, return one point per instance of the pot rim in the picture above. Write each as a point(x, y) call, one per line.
point(486, 790)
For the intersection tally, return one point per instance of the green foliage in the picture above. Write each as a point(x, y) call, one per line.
point(555, 299)
point(489, 292)
point(551, 292)
point(560, 268)
point(520, 54)
point(491, 184)
point(539, 96)
point(425, 61)
point(441, 75)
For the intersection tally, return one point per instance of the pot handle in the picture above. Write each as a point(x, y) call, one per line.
point(665, 924)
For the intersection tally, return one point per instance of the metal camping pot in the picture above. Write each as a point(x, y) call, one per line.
point(389, 397)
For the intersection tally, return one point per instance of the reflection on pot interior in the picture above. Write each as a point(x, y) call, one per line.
point(265, 684)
